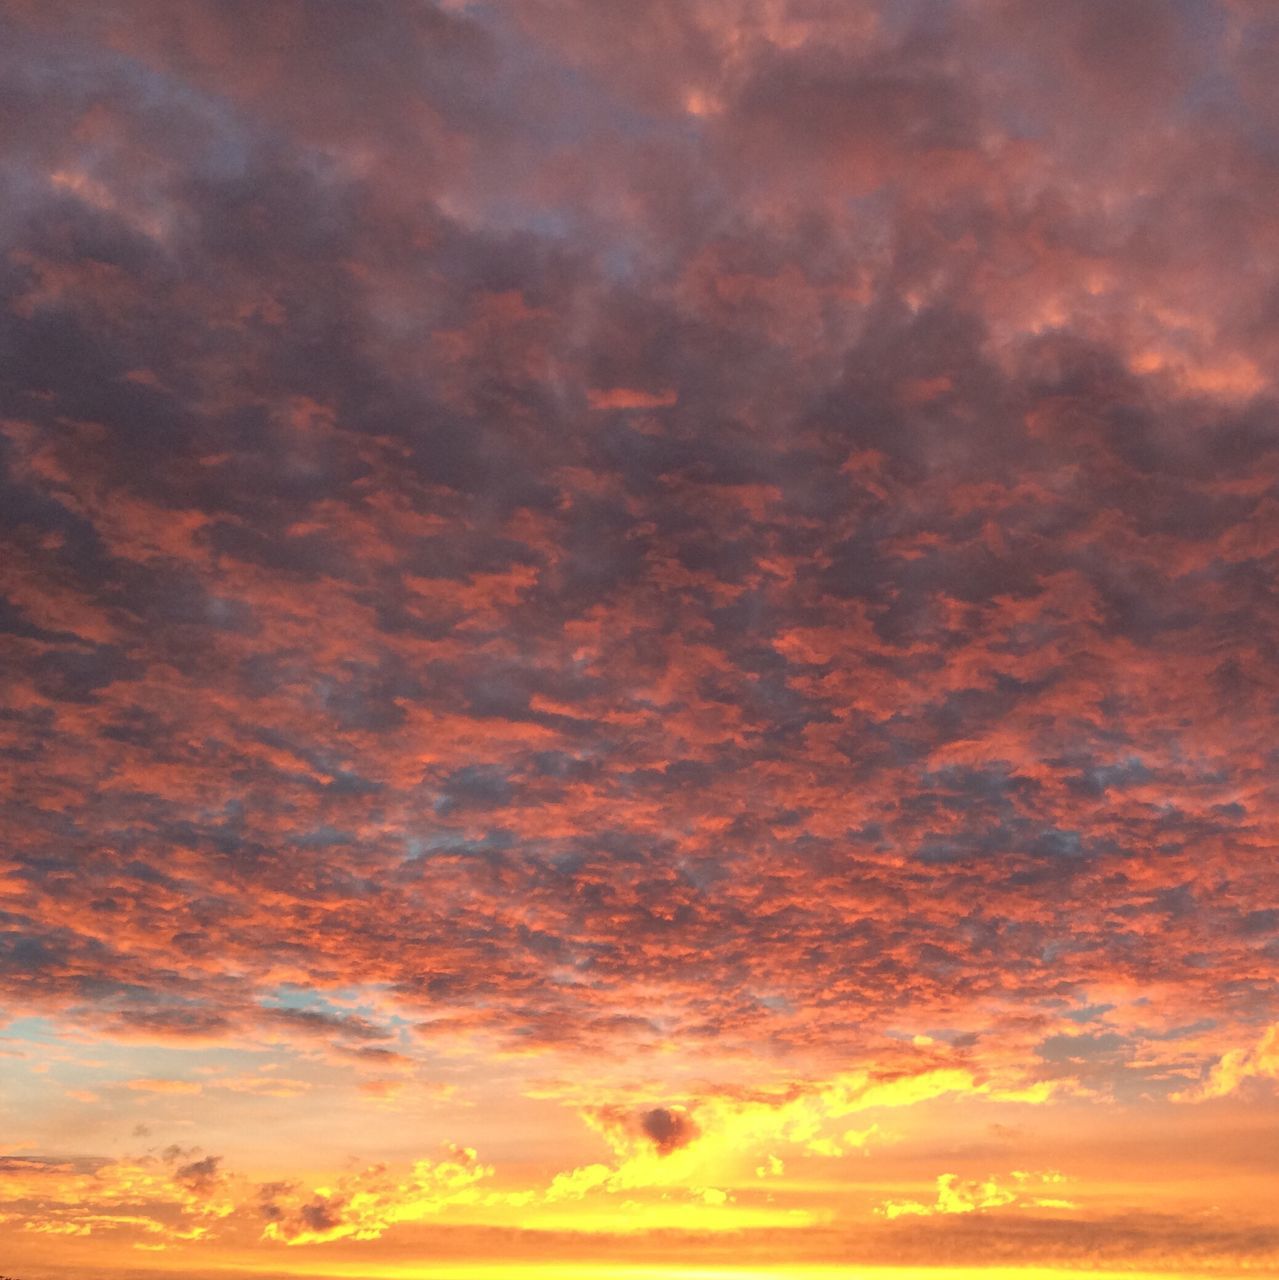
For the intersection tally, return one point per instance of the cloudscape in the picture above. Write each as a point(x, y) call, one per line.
point(640, 639)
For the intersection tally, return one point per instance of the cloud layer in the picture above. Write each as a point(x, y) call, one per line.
point(701, 546)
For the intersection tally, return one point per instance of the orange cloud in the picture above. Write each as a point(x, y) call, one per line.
point(630, 398)
point(1235, 1067)
point(164, 1086)
point(364, 1205)
point(1020, 1190)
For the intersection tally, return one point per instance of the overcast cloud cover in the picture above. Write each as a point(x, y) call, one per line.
point(595, 595)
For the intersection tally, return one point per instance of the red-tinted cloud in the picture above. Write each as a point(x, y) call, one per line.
point(636, 534)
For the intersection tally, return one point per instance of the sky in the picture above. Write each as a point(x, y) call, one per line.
point(640, 639)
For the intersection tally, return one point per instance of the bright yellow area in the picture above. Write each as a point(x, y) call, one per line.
point(740, 1146)
point(665, 1271)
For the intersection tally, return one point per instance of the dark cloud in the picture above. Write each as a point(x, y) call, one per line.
point(201, 1176)
point(668, 1128)
point(317, 1022)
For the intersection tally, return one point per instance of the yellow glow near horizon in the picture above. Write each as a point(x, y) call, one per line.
point(664, 1271)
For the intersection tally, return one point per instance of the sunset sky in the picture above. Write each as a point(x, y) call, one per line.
point(640, 639)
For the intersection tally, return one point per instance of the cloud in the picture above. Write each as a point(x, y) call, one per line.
point(1021, 1190)
point(363, 1205)
point(165, 1086)
point(161, 1199)
point(674, 547)
point(1235, 1067)
point(630, 398)
point(318, 1022)
point(722, 1138)
point(201, 1176)
point(265, 1086)
point(668, 1128)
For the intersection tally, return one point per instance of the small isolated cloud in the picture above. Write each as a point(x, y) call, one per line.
point(380, 1088)
point(264, 1086)
point(149, 1085)
point(956, 1195)
point(602, 398)
point(656, 1130)
point(201, 1176)
point(669, 1128)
